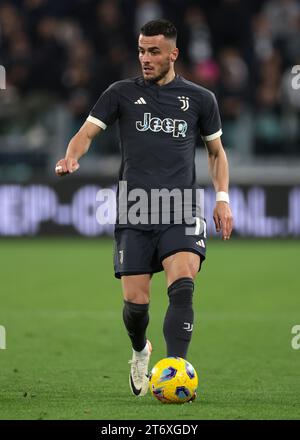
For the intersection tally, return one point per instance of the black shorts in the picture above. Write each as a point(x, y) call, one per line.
point(142, 251)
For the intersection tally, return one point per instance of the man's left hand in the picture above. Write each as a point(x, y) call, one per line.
point(223, 219)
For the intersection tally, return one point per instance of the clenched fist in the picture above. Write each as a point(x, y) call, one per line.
point(66, 166)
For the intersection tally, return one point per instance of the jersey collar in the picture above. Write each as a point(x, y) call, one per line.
point(142, 82)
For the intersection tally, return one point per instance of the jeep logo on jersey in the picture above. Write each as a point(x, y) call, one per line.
point(176, 126)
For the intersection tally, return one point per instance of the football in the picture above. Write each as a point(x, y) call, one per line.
point(173, 380)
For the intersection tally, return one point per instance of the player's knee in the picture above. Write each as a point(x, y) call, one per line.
point(179, 267)
point(186, 271)
point(136, 289)
point(189, 271)
point(136, 296)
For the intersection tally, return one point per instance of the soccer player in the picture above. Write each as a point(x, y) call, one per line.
point(160, 116)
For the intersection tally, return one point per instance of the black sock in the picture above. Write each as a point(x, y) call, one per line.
point(136, 319)
point(178, 324)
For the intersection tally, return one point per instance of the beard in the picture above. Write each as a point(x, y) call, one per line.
point(163, 72)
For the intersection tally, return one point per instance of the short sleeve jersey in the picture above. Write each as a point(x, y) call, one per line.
point(159, 127)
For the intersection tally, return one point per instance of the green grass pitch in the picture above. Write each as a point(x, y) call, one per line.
point(67, 351)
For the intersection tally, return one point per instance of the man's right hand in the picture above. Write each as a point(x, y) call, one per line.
point(66, 166)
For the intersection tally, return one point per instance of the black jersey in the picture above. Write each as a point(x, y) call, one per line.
point(159, 127)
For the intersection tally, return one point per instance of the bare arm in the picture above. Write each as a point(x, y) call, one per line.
point(218, 167)
point(78, 146)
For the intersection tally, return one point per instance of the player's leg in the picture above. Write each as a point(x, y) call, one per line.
point(136, 290)
point(134, 250)
point(181, 265)
point(133, 263)
point(181, 250)
point(180, 269)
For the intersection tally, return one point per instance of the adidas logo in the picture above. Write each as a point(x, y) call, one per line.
point(200, 243)
point(140, 101)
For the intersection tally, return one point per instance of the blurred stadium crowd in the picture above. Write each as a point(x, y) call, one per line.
point(59, 55)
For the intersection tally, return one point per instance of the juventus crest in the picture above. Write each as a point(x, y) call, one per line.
point(185, 102)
